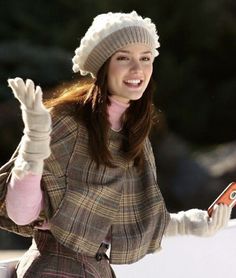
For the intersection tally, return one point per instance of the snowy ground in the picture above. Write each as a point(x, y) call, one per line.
point(188, 257)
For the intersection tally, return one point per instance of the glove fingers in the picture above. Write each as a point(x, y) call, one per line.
point(15, 89)
point(30, 94)
point(221, 216)
point(39, 99)
point(20, 84)
point(214, 218)
point(19, 89)
point(12, 85)
point(30, 86)
point(229, 211)
point(226, 212)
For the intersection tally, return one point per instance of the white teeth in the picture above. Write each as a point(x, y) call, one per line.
point(133, 81)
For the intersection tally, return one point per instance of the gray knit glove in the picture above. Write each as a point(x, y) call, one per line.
point(197, 222)
point(35, 143)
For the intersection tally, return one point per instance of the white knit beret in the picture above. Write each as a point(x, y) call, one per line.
point(108, 33)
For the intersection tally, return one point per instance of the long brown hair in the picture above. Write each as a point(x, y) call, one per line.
point(88, 101)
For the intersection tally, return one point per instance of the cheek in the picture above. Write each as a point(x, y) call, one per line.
point(148, 73)
point(112, 82)
point(115, 72)
point(110, 74)
point(109, 84)
point(114, 76)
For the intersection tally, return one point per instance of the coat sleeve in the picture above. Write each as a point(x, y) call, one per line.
point(53, 183)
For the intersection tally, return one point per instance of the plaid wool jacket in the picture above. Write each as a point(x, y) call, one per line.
point(84, 203)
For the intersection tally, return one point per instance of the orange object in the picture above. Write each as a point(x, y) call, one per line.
point(227, 197)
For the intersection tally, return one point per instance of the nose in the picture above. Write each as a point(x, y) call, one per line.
point(135, 66)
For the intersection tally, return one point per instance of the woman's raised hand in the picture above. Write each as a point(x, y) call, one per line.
point(35, 116)
point(35, 143)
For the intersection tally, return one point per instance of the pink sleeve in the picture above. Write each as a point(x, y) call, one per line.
point(24, 199)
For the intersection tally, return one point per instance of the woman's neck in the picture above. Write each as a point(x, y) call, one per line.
point(115, 112)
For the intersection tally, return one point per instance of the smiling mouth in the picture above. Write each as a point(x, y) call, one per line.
point(133, 83)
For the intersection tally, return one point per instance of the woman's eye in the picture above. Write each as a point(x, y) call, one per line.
point(145, 59)
point(122, 58)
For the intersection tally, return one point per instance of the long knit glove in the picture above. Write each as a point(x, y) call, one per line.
point(35, 143)
point(197, 222)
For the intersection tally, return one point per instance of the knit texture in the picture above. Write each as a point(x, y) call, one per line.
point(116, 110)
point(108, 33)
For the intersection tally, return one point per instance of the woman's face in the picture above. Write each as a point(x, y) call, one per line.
point(129, 72)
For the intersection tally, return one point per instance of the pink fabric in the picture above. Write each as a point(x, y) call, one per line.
point(24, 199)
point(115, 113)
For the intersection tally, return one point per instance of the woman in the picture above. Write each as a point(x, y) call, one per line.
point(89, 183)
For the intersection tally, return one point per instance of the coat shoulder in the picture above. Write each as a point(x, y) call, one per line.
point(63, 125)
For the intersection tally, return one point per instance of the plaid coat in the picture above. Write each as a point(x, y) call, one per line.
point(83, 204)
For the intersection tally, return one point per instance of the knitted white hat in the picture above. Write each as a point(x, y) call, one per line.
point(108, 33)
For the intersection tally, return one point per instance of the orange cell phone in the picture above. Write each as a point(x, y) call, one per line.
point(228, 197)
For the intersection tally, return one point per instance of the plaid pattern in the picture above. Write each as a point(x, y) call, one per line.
point(98, 200)
point(84, 203)
point(47, 258)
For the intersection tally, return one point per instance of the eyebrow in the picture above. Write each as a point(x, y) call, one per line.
point(127, 51)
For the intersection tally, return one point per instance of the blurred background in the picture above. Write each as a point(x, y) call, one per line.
point(195, 140)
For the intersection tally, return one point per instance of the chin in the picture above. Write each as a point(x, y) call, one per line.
point(136, 97)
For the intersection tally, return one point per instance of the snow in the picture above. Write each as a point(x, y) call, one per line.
point(188, 256)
